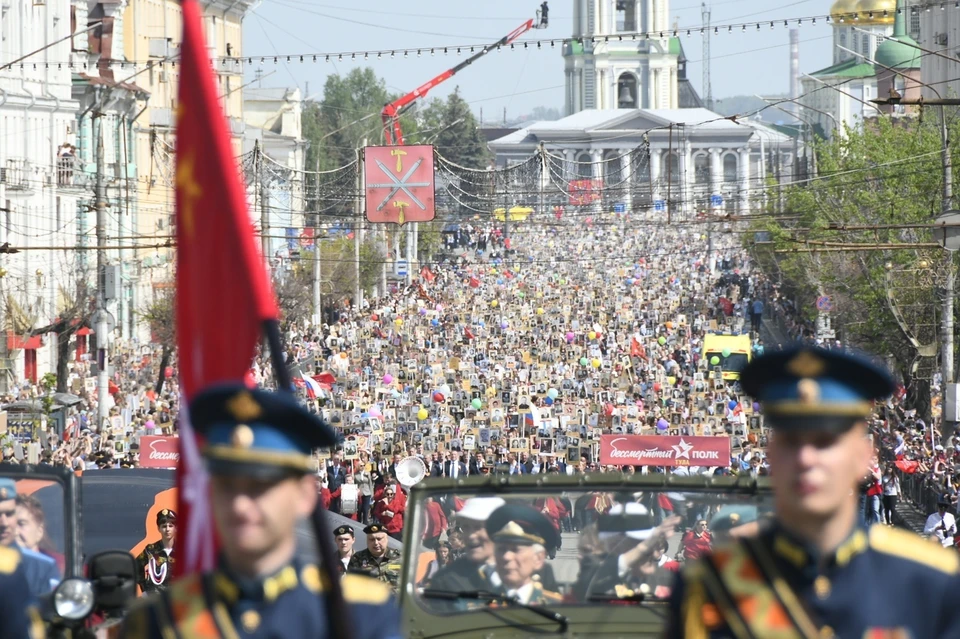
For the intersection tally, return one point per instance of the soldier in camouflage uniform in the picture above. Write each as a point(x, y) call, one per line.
point(155, 562)
point(377, 560)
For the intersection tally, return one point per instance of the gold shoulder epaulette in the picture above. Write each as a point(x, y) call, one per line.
point(9, 560)
point(906, 545)
point(359, 589)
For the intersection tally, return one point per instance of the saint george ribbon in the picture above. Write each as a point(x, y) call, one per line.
point(223, 292)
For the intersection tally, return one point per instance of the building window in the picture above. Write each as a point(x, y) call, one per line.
point(915, 23)
point(730, 168)
point(626, 15)
point(584, 165)
point(843, 37)
point(701, 169)
point(627, 91)
point(670, 171)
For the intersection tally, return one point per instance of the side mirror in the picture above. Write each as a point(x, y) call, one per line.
point(113, 574)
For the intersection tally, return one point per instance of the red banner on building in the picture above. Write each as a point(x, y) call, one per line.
point(159, 452)
point(585, 191)
point(664, 450)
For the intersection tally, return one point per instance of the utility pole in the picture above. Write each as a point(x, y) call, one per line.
point(317, 260)
point(102, 327)
point(669, 173)
point(946, 344)
point(356, 228)
point(264, 206)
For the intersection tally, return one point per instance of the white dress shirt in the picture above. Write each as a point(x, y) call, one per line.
point(945, 533)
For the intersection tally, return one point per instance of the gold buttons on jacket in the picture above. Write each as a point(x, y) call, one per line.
point(250, 620)
point(827, 633)
point(821, 586)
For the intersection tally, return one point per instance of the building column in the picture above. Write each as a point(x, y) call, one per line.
point(744, 195)
point(655, 175)
point(687, 178)
point(596, 159)
point(569, 168)
point(626, 176)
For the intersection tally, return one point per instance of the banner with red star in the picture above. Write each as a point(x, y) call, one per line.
point(223, 295)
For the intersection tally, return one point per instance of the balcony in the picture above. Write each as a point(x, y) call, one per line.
point(17, 174)
point(70, 174)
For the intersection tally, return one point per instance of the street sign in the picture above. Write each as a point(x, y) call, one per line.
point(659, 205)
point(306, 238)
point(824, 304)
point(948, 235)
point(401, 268)
point(399, 184)
point(716, 200)
point(620, 207)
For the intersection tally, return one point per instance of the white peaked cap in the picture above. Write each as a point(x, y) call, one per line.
point(632, 508)
point(479, 508)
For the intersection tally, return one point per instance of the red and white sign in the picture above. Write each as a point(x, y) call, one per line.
point(664, 450)
point(159, 452)
point(398, 184)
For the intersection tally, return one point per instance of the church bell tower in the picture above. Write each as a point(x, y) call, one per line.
point(611, 65)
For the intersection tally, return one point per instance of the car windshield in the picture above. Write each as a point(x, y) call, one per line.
point(32, 520)
point(734, 362)
point(563, 548)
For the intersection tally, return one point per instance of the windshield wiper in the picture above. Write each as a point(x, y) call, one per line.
point(486, 595)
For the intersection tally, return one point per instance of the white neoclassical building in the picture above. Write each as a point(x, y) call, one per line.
point(698, 160)
point(608, 65)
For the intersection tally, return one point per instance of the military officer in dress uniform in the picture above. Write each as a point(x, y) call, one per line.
point(258, 451)
point(522, 539)
point(19, 620)
point(813, 571)
point(155, 563)
point(377, 559)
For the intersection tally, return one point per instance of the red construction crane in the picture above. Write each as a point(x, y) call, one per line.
point(391, 112)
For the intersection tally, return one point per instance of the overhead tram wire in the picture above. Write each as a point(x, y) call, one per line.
point(452, 49)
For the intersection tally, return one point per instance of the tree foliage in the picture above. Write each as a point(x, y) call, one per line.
point(294, 289)
point(887, 173)
point(160, 315)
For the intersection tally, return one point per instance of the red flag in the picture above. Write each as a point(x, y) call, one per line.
point(223, 294)
point(427, 274)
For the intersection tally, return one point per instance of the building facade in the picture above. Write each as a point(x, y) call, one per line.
point(608, 66)
point(873, 54)
point(39, 211)
point(154, 36)
point(679, 161)
point(272, 120)
point(939, 31)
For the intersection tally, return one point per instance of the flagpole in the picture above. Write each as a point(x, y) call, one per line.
point(336, 616)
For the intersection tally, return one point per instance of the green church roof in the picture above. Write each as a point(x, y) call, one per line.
point(900, 50)
point(851, 68)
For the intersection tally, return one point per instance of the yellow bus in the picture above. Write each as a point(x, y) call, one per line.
point(740, 352)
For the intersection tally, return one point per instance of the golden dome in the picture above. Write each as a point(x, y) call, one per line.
point(843, 9)
point(876, 9)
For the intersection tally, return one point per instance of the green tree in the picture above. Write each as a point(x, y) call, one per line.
point(885, 174)
point(160, 315)
point(459, 139)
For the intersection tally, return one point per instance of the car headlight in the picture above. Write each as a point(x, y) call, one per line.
point(73, 599)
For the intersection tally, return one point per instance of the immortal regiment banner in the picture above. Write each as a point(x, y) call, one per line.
point(664, 450)
point(159, 452)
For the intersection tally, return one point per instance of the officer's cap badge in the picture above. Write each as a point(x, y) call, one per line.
point(806, 364)
point(242, 437)
point(244, 407)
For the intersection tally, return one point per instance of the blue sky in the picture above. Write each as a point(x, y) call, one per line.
point(743, 63)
